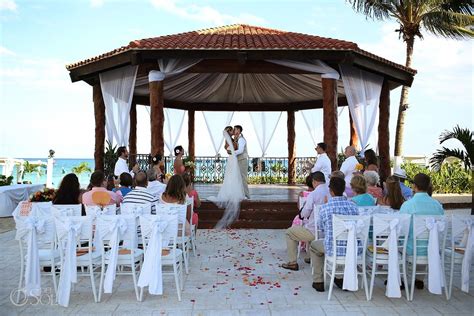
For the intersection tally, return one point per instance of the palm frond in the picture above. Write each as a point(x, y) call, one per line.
point(461, 6)
point(464, 136)
point(448, 24)
point(442, 154)
point(375, 9)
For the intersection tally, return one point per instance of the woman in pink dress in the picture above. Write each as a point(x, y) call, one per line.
point(178, 161)
point(192, 193)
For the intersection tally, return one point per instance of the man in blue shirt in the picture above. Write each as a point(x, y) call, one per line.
point(401, 175)
point(420, 204)
point(339, 205)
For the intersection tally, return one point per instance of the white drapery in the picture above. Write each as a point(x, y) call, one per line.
point(350, 268)
point(265, 124)
point(174, 120)
point(314, 65)
point(117, 90)
point(215, 130)
point(362, 90)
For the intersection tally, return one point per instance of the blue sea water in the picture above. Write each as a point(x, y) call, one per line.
point(60, 169)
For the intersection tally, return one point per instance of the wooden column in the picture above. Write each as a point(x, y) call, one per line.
point(156, 117)
point(330, 119)
point(99, 114)
point(132, 140)
point(191, 149)
point(291, 148)
point(354, 141)
point(384, 134)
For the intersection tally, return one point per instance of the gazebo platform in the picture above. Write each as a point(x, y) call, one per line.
point(273, 206)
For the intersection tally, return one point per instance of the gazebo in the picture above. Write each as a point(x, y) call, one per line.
point(241, 68)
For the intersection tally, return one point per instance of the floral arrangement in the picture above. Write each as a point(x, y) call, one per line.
point(359, 167)
point(189, 164)
point(45, 195)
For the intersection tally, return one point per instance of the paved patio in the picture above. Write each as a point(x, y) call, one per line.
point(235, 273)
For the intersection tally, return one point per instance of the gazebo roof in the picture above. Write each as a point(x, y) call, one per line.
point(242, 53)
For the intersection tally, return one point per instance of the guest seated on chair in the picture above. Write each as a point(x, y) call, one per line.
point(175, 193)
point(401, 175)
point(98, 184)
point(372, 178)
point(126, 182)
point(361, 197)
point(69, 191)
point(420, 204)
point(338, 205)
point(339, 174)
point(192, 194)
point(140, 194)
point(299, 233)
point(394, 197)
point(309, 183)
point(155, 187)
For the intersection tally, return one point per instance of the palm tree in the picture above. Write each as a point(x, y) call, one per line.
point(446, 18)
point(81, 168)
point(466, 155)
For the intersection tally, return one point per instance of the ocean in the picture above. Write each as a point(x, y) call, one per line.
point(60, 169)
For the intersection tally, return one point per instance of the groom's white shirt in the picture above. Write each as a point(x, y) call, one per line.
point(241, 143)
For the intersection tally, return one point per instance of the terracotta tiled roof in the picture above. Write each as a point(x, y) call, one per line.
point(234, 37)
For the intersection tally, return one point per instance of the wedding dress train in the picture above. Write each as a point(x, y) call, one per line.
point(231, 192)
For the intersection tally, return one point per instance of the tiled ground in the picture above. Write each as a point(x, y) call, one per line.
point(235, 273)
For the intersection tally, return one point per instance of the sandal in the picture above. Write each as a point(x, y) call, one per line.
point(290, 266)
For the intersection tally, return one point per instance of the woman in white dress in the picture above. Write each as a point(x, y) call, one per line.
point(231, 192)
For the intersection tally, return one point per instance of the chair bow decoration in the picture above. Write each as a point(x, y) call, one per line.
point(32, 226)
point(117, 228)
point(151, 274)
point(467, 259)
point(68, 273)
point(350, 269)
point(393, 281)
point(435, 271)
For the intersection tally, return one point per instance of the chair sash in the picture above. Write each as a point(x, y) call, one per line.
point(435, 270)
point(69, 267)
point(350, 269)
point(393, 281)
point(467, 259)
point(31, 226)
point(116, 227)
point(151, 273)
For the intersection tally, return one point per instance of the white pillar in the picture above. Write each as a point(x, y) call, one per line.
point(49, 173)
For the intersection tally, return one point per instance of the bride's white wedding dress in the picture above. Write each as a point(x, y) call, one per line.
point(231, 192)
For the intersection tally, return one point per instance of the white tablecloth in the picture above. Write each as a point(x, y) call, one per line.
point(11, 195)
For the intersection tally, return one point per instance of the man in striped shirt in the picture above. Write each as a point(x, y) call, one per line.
point(140, 194)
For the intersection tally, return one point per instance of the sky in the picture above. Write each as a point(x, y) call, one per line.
point(40, 108)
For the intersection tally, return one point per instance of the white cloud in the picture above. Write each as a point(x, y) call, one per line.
point(96, 3)
point(6, 52)
point(8, 5)
point(204, 13)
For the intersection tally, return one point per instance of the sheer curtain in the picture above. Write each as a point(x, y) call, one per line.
point(265, 124)
point(170, 67)
point(117, 90)
point(314, 65)
point(174, 120)
point(215, 130)
point(362, 90)
point(313, 120)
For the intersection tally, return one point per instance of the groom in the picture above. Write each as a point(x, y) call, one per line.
point(242, 157)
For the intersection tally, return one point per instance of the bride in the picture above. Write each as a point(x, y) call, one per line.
point(231, 192)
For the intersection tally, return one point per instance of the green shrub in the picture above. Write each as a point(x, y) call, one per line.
point(451, 178)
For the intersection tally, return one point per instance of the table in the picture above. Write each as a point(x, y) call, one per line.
point(11, 195)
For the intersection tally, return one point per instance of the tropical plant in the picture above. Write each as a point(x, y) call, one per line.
point(466, 155)
point(4, 180)
point(446, 18)
point(278, 168)
point(110, 158)
point(32, 168)
point(81, 168)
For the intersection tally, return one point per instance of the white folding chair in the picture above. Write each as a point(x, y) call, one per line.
point(300, 204)
point(190, 203)
point(155, 229)
point(386, 253)
point(74, 234)
point(460, 240)
point(95, 210)
point(429, 231)
point(367, 210)
point(112, 229)
point(66, 210)
point(37, 240)
point(350, 234)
